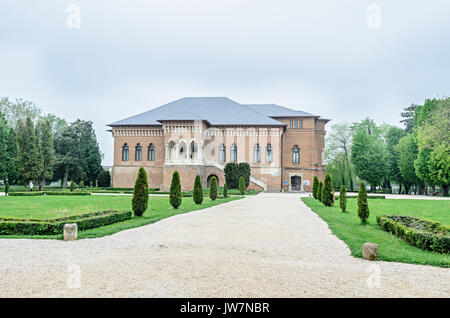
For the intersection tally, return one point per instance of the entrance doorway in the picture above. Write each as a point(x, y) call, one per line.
point(296, 183)
point(208, 180)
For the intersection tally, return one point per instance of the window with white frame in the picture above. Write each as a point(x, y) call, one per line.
point(295, 154)
point(269, 153)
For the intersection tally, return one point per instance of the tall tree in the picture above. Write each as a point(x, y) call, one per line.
point(407, 150)
point(67, 154)
point(432, 134)
point(18, 110)
point(29, 165)
point(408, 118)
point(90, 151)
point(394, 134)
point(3, 153)
point(12, 151)
point(46, 154)
point(368, 153)
point(338, 148)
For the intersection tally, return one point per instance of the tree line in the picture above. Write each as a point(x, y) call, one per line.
point(45, 148)
point(415, 158)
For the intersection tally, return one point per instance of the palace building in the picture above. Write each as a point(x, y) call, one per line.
point(200, 135)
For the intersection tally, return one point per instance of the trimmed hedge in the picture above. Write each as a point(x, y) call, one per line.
point(36, 193)
point(368, 197)
point(424, 234)
point(56, 226)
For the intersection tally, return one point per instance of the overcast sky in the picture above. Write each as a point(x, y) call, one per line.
point(343, 60)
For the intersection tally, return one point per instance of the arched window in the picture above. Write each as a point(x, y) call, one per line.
point(125, 152)
point(269, 153)
point(138, 153)
point(257, 153)
point(233, 153)
point(151, 153)
point(222, 153)
point(295, 154)
point(182, 149)
point(193, 153)
point(170, 149)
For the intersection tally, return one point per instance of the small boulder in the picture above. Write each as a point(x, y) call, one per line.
point(70, 232)
point(370, 251)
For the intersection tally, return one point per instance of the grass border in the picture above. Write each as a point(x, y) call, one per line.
point(390, 245)
point(132, 223)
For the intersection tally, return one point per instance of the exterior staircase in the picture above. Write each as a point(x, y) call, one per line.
point(254, 180)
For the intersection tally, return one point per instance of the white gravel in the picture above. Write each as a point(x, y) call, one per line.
point(270, 245)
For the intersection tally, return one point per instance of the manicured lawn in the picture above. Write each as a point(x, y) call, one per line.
point(347, 227)
point(58, 206)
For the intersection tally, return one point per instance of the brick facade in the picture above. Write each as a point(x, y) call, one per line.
point(192, 147)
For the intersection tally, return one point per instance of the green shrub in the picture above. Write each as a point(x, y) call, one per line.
point(65, 193)
point(26, 194)
point(198, 190)
point(368, 197)
point(225, 190)
point(343, 198)
point(140, 195)
point(104, 179)
point(175, 190)
point(213, 189)
point(73, 185)
point(315, 187)
point(319, 191)
point(363, 208)
point(6, 188)
point(233, 171)
point(242, 185)
point(81, 185)
point(426, 235)
point(56, 226)
point(327, 192)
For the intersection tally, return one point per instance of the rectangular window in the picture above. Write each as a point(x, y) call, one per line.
point(290, 123)
point(296, 124)
point(301, 123)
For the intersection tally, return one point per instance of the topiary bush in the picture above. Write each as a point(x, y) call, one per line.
point(6, 187)
point(140, 195)
point(343, 198)
point(225, 190)
point(425, 234)
point(213, 189)
point(73, 185)
point(319, 191)
point(104, 179)
point(81, 185)
point(241, 185)
point(198, 191)
point(175, 190)
point(327, 192)
point(315, 187)
point(233, 171)
point(363, 207)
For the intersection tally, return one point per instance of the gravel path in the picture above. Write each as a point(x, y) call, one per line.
point(270, 245)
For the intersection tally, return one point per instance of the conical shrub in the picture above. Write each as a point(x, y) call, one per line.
point(315, 187)
point(213, 189)
point(343, 198)
point(225, 190)
point(363, 207)
point(319, 191)
point(198, 190)
point(175, 190)
point(241, 185)
point(140, 195)
point(327, 192)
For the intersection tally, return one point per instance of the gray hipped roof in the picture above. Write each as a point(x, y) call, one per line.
point(215, 110)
